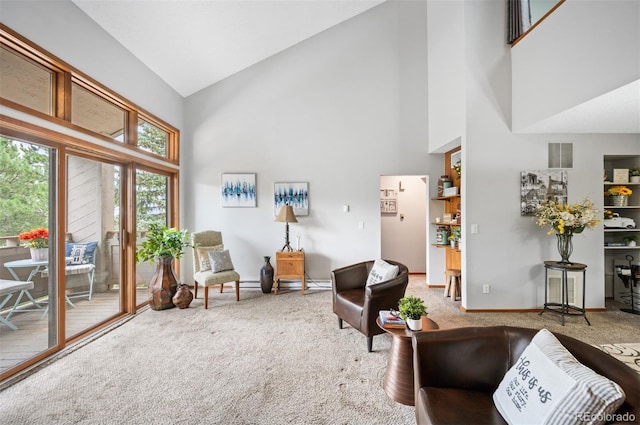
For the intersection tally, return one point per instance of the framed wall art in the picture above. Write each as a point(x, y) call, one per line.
point(388, 201)
point(238, 190)
point(539, 186)
point(295, 194)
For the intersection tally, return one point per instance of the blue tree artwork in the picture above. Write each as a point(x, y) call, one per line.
point(238, 190)
point(294, 194)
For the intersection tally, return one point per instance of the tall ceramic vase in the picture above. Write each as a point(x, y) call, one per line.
point(163, 285)
point(565, 247)
point(266, 276)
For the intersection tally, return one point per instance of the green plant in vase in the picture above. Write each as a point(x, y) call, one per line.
point(411, 311)
point(630, 240)
point(162, 244)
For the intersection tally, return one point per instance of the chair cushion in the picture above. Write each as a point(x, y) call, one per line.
point(220, 261)
point(208, 278)
point(548, 385)
point(81, 252)
point(381, 271)
point(203, 255)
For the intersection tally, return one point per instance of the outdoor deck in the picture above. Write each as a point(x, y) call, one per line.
point(31, 337)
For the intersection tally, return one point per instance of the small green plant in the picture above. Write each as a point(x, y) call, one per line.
point(634, 171)
point(629, 238)
point(162, 241)
point(411, 307)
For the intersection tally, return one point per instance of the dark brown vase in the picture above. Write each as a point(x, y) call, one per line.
point(266, 276)
point(183, 296)
point(163, 285)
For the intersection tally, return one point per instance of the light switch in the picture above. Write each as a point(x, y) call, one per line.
point(345, 208)
point(474, 228)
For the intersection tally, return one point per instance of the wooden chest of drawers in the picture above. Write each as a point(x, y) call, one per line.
point(289, 265)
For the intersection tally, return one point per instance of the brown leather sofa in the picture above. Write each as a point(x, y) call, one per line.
point(359, 304)
point(456, 372)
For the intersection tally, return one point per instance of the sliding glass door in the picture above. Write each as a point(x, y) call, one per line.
point(93, 280)
point(28, 319)
point(152, 195)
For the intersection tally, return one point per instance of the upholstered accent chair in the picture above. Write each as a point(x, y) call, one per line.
point(359, 304)
point(203, 274)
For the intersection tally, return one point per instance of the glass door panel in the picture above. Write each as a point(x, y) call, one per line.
point(28, 326)
point(151, 207)
point(92, 271)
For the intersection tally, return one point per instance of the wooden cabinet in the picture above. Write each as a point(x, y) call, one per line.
point(289, 265)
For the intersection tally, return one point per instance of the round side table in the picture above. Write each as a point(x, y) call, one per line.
point(398, 378)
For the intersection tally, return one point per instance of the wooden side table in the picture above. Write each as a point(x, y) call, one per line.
point(398, 378)
point(289, 265)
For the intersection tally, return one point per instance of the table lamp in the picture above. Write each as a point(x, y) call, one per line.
point(286, 215)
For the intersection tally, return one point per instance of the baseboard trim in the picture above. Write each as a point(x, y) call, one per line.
point(521, 310)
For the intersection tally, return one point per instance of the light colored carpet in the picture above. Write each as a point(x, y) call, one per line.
point(265, 360)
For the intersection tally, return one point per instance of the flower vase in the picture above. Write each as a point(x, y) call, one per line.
point(619, 200)
point(39, 254)
point(565, 247)
point(163, 285)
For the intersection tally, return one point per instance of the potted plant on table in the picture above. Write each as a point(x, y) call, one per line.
point(163, 244)
point(37, 240)
point(634, 175)
point(411, 311)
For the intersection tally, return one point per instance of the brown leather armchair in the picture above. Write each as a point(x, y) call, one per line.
point(456, 372)
point(359, 304)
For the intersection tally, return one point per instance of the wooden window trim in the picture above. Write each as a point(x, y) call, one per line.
point(64, 76)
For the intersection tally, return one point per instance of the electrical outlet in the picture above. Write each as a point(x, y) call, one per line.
point(474, 228)
point(361, 225)
point(485, 289)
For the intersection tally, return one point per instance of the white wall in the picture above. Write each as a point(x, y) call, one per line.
point(61, 28)
point(509, 250)
point(338, 111)
point(446, 54)
point(582, 50)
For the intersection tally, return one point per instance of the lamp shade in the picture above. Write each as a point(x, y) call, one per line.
point(286, 215)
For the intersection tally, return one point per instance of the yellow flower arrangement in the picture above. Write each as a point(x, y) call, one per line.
point(618, 191)
point(567, 219)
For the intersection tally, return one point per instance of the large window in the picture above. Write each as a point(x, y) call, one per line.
point(56, 177)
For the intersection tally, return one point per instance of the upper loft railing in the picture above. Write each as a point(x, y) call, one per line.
point(525, 15)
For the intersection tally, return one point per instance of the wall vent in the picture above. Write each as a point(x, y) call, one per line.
point(554, 290)
point(560, 155)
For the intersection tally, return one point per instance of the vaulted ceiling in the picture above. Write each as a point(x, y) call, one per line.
point(192, 44)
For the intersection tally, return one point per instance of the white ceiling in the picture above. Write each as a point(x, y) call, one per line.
point(192, 44)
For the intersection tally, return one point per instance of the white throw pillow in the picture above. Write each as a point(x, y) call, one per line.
point(203, 255)
point(381, 271)
point(547, 385)
point(220, 261)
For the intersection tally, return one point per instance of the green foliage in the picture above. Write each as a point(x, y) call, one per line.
point(151, 188)
point(634, 171)
point(162, 242)
point(24, 185)
point(411, 307)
